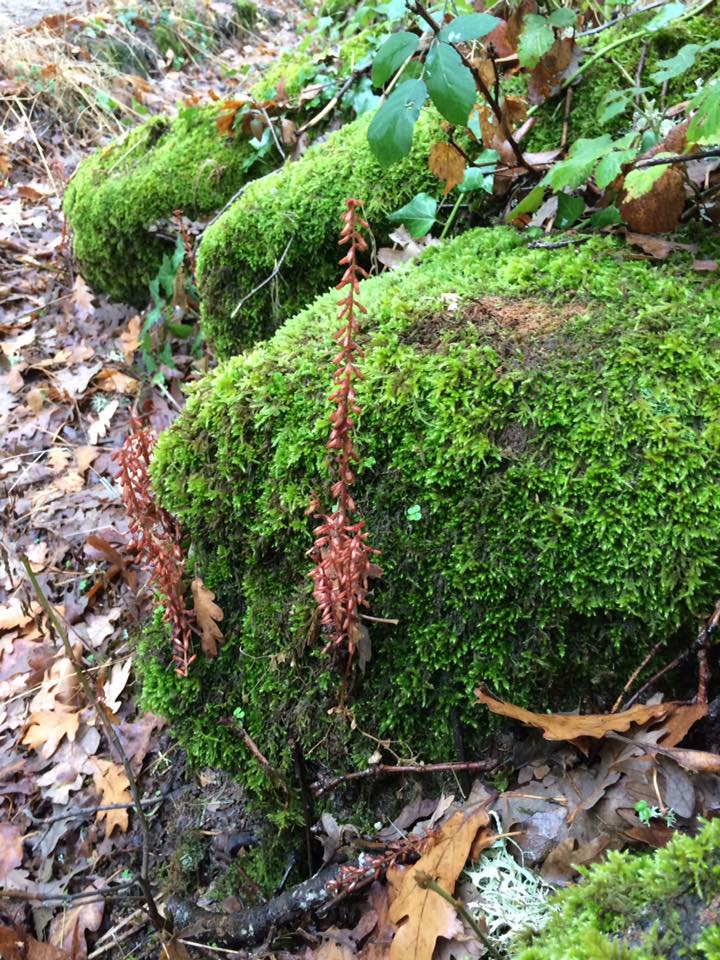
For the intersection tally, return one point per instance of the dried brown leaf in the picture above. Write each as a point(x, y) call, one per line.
point(130, 339)
point(47, 728)
point(573, 727)
point(68, 929)
point(113, 786)
point(420, 914)
point(11, 849)
point(207, 613)
point(17, 944)
point(81, 299)
point(448, 164)
point(659, 248)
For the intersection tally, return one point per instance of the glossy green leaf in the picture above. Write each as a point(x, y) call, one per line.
point(391, 129)
point(476, 179)
point(392, 54)
point(536, 39)
point(471, 26)
point(450, 83)
point(418, 215)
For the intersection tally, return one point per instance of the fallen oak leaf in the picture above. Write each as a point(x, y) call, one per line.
point(112, 784)
point(82, 299)
point(420, 914)
point(207, 613)
point(130, 338)
point(659, 248)
point(697, 761)
point(99, 428)
point(46, 728)
point(17, 944)
point(11, 850)
point(68, 929)
point(574, 727)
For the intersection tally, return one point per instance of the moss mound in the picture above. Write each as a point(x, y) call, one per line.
point(590, 94)
point(292, 218)
point(540, 452)
point(661, 906)
point(119, 193)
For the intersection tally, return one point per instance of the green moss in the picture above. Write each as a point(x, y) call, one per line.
point(591, 92)
point(652, 907)
point(294, 216)
point(246, 13)
point(562, 445)
point(119, 193)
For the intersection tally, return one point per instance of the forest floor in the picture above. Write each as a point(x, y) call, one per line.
point(69, 386)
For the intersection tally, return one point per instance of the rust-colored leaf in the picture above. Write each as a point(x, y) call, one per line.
point(447, 163)
point(68, 929)
point(17, 944)
point(572, 727)
point(420, 914)
point(549, 73)
point(207, 613)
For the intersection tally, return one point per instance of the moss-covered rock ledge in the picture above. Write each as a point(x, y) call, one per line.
point(120, 192)
point(661, 906)
point(540, 446)
point(284, 230)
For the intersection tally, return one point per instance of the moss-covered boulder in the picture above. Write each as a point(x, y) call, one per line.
point(119, 194)
point(284, 230)
point(660, 906)
point(540, 450)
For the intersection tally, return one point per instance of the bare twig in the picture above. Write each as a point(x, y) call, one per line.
point(84, 896)
point(677, 158)
point(265, 282)
point(636, 673)
point(159, 922)
point(272, 774)
point(386, 770)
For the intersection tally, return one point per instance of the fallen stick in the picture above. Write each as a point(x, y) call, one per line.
point(247, 928)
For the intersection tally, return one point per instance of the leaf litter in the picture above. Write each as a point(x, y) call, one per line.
point(68, 386)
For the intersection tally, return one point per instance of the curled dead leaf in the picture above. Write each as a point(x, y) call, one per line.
point(207, 613)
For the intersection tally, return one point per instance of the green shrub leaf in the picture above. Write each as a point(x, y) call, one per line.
point(675, 66)
point(574, 171)
point(669, 12)
point(535, 40)
point(704, 129)
point(450, 83)
point(418, 215)
point(390, 132)
point(611, 165)
point(569, 210)
point(471, 26)
point(605, 217)
point(392, 54)
point(563, 17)
point(639, 182)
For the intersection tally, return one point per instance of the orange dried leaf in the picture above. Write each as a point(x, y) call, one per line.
point(420, 914)
point(207, 613)
point(47, 728)
point(448, 164)
point(561, 726)
point(113, 786)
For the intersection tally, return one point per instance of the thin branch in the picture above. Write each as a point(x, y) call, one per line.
point(613, 23)
point(85, 896)
point(158, 921)
point(265, 282)
point(677, 158)
point(494, 104)
point(386, 770)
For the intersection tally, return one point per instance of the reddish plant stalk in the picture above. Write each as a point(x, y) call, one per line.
point(157, 541)
point(342, 554)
